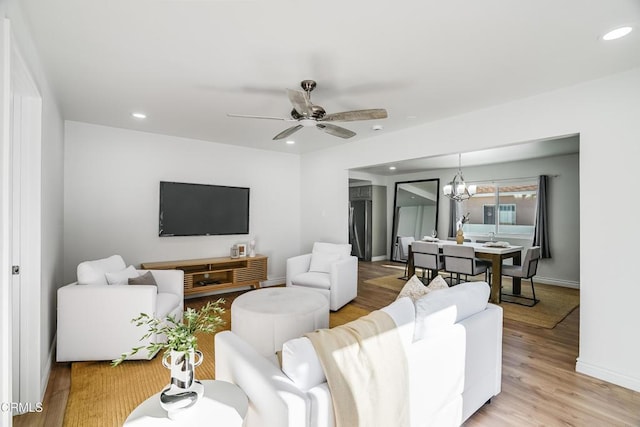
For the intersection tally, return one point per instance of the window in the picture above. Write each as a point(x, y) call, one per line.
point(516, 213)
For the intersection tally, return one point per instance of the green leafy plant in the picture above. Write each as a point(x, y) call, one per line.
point(180, 334)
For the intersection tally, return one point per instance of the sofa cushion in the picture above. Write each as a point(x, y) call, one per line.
point(93, 272)
point(143, 279)
point(313, 279)
point(403, 313)
point(438, 309)
point(165, 304)
point(415, 289)
point(301, 364)
point(121, 277)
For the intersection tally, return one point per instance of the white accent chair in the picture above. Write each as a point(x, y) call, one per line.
point(94, 317)
point(330, 269)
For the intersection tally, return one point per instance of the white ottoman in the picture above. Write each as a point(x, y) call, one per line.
point(267, 318)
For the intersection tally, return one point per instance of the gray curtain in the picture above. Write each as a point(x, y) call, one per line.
point(452, 218)
point(541, 230)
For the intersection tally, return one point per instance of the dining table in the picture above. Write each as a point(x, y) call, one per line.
point(489, 251)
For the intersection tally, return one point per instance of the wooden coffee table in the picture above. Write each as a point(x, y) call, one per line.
point(223, 404)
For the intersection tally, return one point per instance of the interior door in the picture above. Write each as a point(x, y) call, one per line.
point(25, 234)
point(16, 160)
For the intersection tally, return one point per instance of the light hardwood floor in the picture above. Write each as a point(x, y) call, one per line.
point(539, 384)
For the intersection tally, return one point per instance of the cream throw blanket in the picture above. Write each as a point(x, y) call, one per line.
point(366, 369)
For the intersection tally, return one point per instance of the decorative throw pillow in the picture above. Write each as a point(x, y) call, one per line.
point(322, 261)
point(121, 277)
point(144, 279)
point(92, 272)
point(415, 289)
point(438, 282)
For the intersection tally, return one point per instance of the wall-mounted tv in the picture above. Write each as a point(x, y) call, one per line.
point(203, 210)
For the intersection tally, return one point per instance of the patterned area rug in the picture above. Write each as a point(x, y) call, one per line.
point(104, 396)
point(555, 302)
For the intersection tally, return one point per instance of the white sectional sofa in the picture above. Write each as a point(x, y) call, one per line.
point(453, 343)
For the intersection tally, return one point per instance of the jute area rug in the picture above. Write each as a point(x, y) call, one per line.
point(555, 302)
point(104, 396)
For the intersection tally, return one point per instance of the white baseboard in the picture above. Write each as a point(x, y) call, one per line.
point(46, 373)
point(379, 258)
point(557, 282)
point(608, 375)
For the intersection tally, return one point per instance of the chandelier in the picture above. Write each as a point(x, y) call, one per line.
point(457, 189)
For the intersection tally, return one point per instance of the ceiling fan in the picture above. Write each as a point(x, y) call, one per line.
point(307, 114)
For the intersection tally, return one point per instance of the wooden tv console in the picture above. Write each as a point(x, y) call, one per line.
point(212, 274)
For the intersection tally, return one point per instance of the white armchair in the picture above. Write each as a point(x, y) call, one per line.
point(94, 313)
point(330, 269)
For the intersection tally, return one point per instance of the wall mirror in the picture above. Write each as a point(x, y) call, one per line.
point(415, 214)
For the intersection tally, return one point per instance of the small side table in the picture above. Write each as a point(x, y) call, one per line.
point(223, 404)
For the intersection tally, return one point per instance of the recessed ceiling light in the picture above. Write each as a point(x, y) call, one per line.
point(617, 33)
point(139, 115)
point(291, 142)
point(392, 168)
point(376, 127)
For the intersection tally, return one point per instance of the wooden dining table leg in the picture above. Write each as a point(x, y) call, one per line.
point(496, 278)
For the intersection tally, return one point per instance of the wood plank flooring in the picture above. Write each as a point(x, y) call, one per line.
point(539, 384)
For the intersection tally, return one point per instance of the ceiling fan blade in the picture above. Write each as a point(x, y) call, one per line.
point(300, 102)
point(285, 133)
point(351, 116)
point(245, 116)
point(335, 130)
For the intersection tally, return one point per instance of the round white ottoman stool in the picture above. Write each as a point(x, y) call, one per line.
point(267, 318)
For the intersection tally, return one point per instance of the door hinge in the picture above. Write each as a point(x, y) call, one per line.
point(15, 270)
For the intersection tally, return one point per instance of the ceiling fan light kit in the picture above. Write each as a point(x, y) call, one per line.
point(306, 114)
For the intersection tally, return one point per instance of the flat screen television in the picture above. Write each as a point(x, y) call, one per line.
point(203, 210)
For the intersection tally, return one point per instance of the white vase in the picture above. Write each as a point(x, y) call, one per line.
point(184, 391)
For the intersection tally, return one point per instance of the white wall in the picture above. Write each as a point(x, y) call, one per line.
point(605, 114)
point(112, 188)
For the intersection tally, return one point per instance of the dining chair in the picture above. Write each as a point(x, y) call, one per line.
point(526, 270)
point(460, 259)
point(426, 256)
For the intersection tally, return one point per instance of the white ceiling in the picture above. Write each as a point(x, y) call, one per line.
point(187, 63)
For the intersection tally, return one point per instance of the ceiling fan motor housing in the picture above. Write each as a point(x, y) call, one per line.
point(317, 112)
